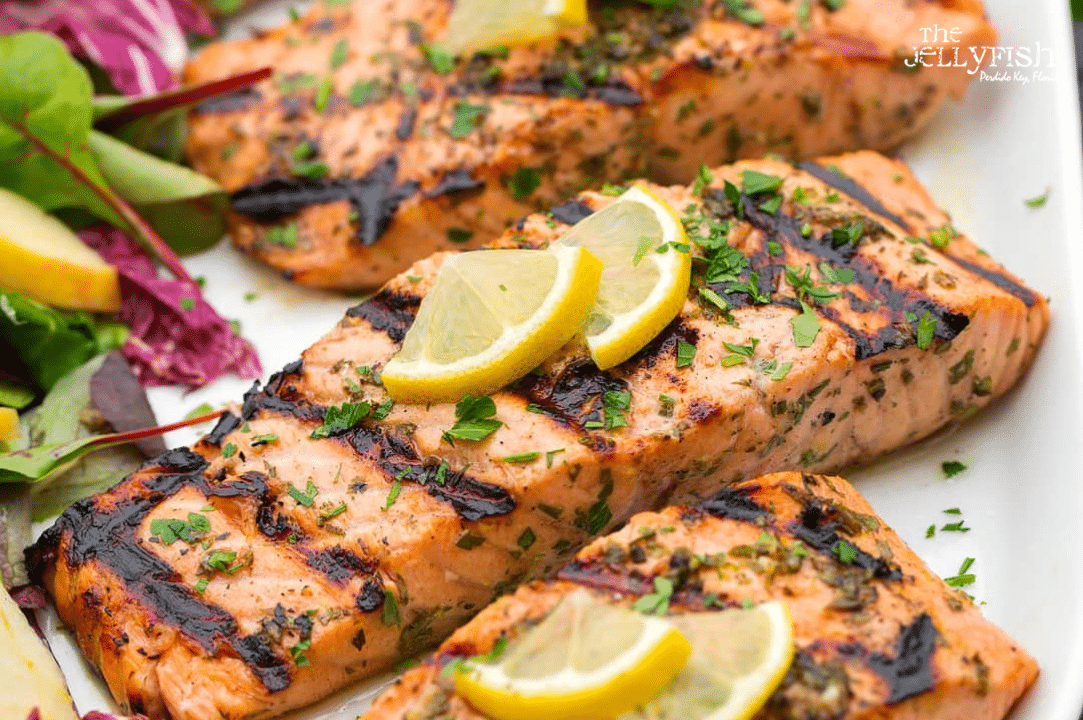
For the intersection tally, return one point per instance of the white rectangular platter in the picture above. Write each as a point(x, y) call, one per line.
point(1016, 136)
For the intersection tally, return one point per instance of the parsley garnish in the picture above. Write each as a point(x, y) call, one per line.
point(962, 578)
point(298, 654)
point(656, 602)
point(741, 10)
point(527, 538)
point(550, 455)
point(840, 276)
point(263, 439)
point(467, 118)
point(930, 531)
point(305, 498)
point(473, 419)
point(323, 94)
point(459, 235)
point(703, 180)
point(926, 330)
point(391, 609)
point(499, 646)
point(755, 182)
point(282, 235)
point(806, 326)
point(844, 551)
point(392, 494)
point(226, 562)
point(959, 527)
point(951, 468)
point(1039, 201)
point(342, 417)
point(469, 541)
point(524, 182)
point(326, 515)
point(522, 457)
point(339, 54)
point(169, 530)
point(849, 234)
point(614, 403)
point(940, 237)
point(439, 58)
point(229, 450)
point(360, 91)
point(201, 585)
point(686, 353)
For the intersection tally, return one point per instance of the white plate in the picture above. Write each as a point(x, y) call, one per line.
point(1022, 493)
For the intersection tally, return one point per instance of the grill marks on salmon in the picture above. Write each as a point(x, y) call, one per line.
point(876, 636)
point(360, 156)
point(353, 550)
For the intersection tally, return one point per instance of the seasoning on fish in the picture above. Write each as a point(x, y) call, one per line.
point(371, 147)
point(834, 314)
point(877, 633)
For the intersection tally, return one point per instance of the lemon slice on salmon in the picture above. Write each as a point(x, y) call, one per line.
point(586, 659)
point(491, 317)
point(478, 24)
point(9, 424)
point(738, 659)
point(648, 267)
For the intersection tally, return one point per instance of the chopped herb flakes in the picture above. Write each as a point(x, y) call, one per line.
point(306, 498)
point(527, 538)
point(755, 182)
point(466, 118)
point(703, 180)
point(459, 235)
point(806, 326)
point(282, 235)
point(439, 58)
point(469, 541)
point(940, 237)
point(524, 182)
point(1037, 202)
point(169, 530)
point(963, 578)
point(959, 527)
point(550, 455)
point(473, 419)
point(614, 403)
point(342, 417)
point(656, 602)
point(741, 10)
point(339, 54)
point(522, 457)
point(686, 353)
point(844, 551)
point(391, 609)
point(361, 90)
point(226, 561)
point(951, 468)
point(229, 450)
point(392, 494)
point(926, 330)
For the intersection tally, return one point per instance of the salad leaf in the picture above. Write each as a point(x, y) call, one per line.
point(51, 343)
point(15, 534)
point(185, 208)
point(176, 336)
point(14, 393)
point(45, 114)
point(139, 43)
point(117, 394)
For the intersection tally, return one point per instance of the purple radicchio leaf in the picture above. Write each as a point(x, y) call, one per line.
point(140, 43)
point(176, 337)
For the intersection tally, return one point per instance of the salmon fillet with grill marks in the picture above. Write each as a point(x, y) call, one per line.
point(361, 156)
point(876, 637)
point(266, 567)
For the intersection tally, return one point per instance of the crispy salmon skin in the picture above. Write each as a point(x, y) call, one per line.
point(371, 148)
point(834, 315)
point(877, 634)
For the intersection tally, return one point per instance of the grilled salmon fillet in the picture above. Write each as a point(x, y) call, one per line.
point(370, 149)
point(877, 635)
point(285, 555)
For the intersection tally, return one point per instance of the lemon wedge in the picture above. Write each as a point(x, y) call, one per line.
point(641, 241)
point(587, 659)
point(9, 424)
point(479, 24)
point(42, 258)
point(491, 317)
point(738, 659)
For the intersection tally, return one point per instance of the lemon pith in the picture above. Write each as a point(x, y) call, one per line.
point(581, 686)
point(490, 317)
point(648, 268)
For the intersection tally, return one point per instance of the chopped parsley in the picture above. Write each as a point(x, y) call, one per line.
point(229, 450)
point(360, 91)
point(848, 234)
point(263, 439)
point(951, 468)
point(473, 419)
point(527, 538)
point(201, 586)
point(844, 551)
point(703, 180)
point(169, 530)
point(522, 457)
point(323, 94)
point(466, 118)
point(439, 58)
point(614, 403)
point(926, 330)
point(339, 54)
point(459, 235)
point(282, 235)
point(930, 531)
point(469, 541)
point(940, 237)
point(524, 182)
point(714, 298)
point(392, 494)
point(310, 169)
point(391, 609)
point(226, 561)
point(499, 646)
point(340, 418)
point(753, 181)
point(963, 578)
point(334, 512)
point(959, 527)
point(297, 652)
point(550, 455)
point(656, 602)
point(686, 353)
point(1037, 202)
point(834, 275)
point(806, 326)
point(305, 498)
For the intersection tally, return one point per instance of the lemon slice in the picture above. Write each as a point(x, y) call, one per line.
point(9, 424)
point(478, 24)
point(42, 258)
point(585, 660)
point(642, 243)
point(491, 317)
point(738, 659)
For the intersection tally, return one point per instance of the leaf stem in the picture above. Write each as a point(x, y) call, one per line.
point(144, 231)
